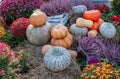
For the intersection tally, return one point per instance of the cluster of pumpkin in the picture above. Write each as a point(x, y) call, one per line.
point(91, 24)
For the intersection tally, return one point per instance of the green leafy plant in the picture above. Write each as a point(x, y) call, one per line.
point(12, 40)
point(115, 6)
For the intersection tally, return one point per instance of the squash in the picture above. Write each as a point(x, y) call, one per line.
point(77, 31)
point(59, 31)
point(79, 9)
point(81, 22)
point(107, 30)
point(38, 18)
point(73, 54)
point(2, 31)
point(96, 25)
point(45, 48)
point(92, 33)
point(38, 35)
point(93, 15)
point(57, 58)
point(63, 42)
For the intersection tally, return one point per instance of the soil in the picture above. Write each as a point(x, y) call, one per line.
point(37, 69)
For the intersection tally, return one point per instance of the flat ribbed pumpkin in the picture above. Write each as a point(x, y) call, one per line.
point(59, 31)
point(63, 42)
point(38, 18)
point(38, 35)
point(57, 58)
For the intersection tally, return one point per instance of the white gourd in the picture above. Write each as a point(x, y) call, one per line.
point(57, 58)
point(107, 30)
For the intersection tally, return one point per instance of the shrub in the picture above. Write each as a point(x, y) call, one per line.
point(9, 62)
point(113, 54)
point(2, 31)
point(13, 9)
point(2, 22)
point(19, 26)
point(100, 71)
point(102, 7)
point(116, 6)
point(55, 7)
point(91, 46)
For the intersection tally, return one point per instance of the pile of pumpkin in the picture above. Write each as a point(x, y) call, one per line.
point(57, 56)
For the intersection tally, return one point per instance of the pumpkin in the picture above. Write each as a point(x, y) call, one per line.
point(63, 42)
point(107, 30)
point(38, 18)
point(79, 9)
point(38, 35)
point(81, 22)
point(59, 31)
point(96, 25)
point(77, 31)
point(57, 58)
point(92, 33)
point(45, 48)
point(93, 15)
point(2, 31)
point(73, 53)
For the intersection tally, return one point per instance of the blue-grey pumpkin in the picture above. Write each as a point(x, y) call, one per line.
point(38, 35)
point(78, 31)
point(57, 58)
point(79, 9)
point(107, 30)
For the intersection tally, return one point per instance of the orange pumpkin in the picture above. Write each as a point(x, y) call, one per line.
point(73, 53)
point(38, 18)
point(45, 48)
point(96, 25)
point(92, 33)
point(63, 42)
point(93, 15)
point(59, 31)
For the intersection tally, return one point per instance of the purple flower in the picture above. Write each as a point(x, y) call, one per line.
point(93, 60)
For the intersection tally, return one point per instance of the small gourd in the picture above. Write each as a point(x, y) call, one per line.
point(45, 48)
point(38, 35)
point(92, 33)
point(73, 54)
point(107, 30)
point(77, 31)
point(81, 22)
point(79, 9)
point(57, 58)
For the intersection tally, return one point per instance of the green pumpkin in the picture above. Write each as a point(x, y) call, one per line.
point(57, 58)
point(38, 35)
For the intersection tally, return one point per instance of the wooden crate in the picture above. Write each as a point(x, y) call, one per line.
point(58, 19)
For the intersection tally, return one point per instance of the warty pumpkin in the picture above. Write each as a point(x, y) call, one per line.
point(57, 58)
point(38, 35)
point(45, 48)
point(92, 33)
point(63, 42)
point(59, 31)
point(96, 25)
point(38, 18)
point(81, 22)
point(93, 15)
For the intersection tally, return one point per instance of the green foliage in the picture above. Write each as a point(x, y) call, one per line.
point(12, 40)
point(116, 6)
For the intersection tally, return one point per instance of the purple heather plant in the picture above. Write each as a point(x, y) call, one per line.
point(13, 9)
point(55, 7)
point(91, 46)
point(113, 54)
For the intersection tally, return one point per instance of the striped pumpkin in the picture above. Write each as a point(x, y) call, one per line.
point(57, 58)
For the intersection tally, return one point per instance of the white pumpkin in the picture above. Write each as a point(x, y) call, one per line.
point(57, 58)
point(78, 31)
point(107, 30)
point(79, 9)
point(38, 35)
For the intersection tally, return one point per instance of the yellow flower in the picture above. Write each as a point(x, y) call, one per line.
point(92, 76)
